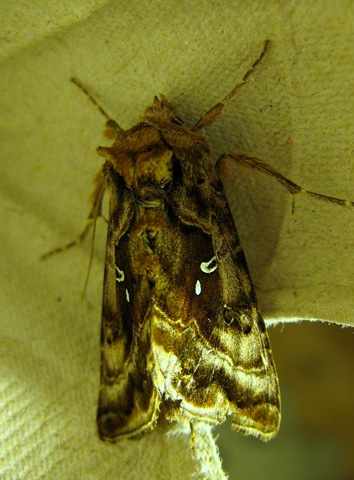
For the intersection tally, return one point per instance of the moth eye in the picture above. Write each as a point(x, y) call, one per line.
point(177, 120)
point(200, 181)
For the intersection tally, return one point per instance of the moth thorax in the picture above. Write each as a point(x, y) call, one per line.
point(153, 173)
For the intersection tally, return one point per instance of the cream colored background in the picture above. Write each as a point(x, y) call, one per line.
point(125, 53)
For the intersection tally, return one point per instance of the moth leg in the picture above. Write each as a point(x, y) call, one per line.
point(214, 113)
point(95, 213)
point(254, 163)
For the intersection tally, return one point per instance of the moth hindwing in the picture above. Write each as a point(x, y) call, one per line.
point(181, 329)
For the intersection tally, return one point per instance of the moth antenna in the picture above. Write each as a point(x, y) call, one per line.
point(74, 243)
point(112, 123)
point(215, 112)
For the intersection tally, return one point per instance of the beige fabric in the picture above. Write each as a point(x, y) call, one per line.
point(125, 53)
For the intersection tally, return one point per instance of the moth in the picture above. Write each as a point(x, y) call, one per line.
point(182, 334)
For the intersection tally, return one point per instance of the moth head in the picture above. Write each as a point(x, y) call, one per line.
point(162, 109)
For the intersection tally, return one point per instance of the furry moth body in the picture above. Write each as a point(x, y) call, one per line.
point(181, 329)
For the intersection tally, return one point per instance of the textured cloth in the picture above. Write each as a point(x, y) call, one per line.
point(296, 111)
